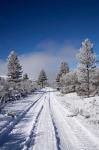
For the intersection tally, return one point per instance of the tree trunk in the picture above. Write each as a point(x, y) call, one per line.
point(42, 84)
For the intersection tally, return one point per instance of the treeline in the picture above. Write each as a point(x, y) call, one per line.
point(85, 78)
point(16, 84)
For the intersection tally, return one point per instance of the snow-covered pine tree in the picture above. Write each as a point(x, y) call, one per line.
point(25, 76)
point(14, 68)
point(58, 80)
point(42, 79)
point(86, 67)
point(64, 68)
point(69, 81)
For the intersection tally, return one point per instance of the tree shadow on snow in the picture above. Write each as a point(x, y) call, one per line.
point(12, 142)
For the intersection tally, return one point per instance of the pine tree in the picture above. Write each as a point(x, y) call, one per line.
point(64, 68)
point(42, 79)
point(25, 76)
point(69, 82)
point(87, 59)
point(14, 68)
point(58, 80)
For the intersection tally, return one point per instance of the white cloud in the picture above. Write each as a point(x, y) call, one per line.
point(49, 59)
point(3, 67)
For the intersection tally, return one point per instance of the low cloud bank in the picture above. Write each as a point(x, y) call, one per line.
point(47, 56)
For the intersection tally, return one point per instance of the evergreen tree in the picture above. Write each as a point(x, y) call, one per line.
point(14, 68)
point(42, 79)
point(64, 68)
point(86, 67)
point(58, 80)
point(68, 82)
point(25, 76)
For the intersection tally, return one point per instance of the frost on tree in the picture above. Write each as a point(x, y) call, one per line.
point(26, 85)
point(86, 66)
point(58, 80)
point(14, 68)
point(42, 79)
point(69, 82)
point(64, 68)
point(25, 76)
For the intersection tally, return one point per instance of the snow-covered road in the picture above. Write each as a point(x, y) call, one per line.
point(45, 125)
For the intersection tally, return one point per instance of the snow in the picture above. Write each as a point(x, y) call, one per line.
point(71, 129)
point(4, 76)
point(46, 121)
point(21, 112)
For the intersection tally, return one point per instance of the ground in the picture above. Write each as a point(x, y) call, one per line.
point(49, 120)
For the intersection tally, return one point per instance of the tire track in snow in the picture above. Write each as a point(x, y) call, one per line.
point(78, 130)
point(87, 139)
point(7, 129)
point(45, 134)
point(12, 119)
point(55, 128)
point(80, 134)
point(62, 130)
point(68, 140)
point(31, 139)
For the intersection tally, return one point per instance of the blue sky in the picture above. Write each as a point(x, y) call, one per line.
point(47, 26)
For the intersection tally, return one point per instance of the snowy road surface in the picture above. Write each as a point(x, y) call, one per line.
point(44, 125)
